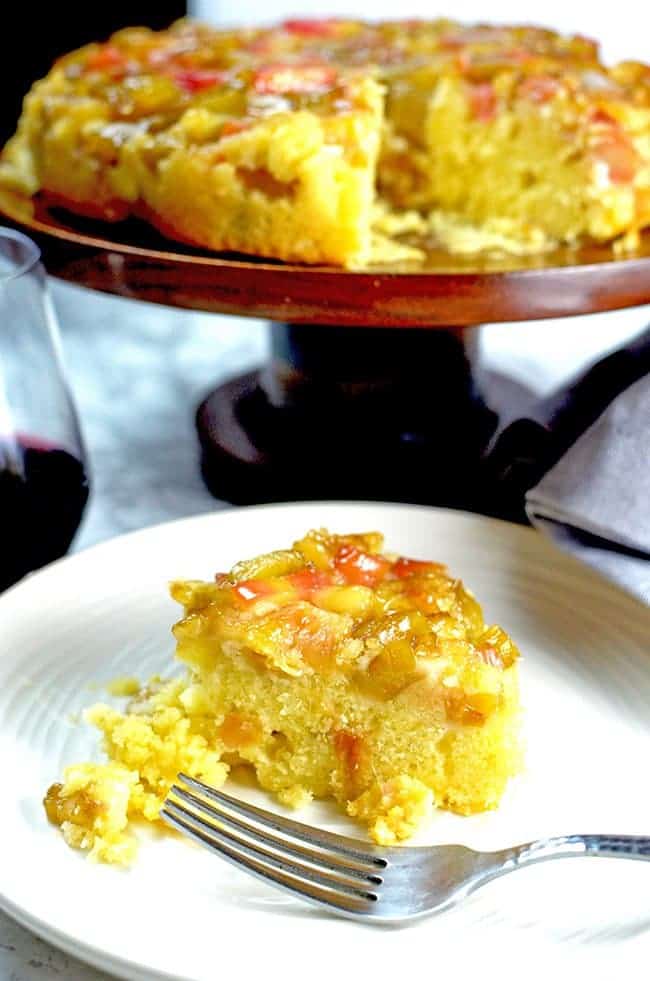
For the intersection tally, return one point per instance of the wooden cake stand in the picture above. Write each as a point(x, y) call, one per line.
point(371, 390)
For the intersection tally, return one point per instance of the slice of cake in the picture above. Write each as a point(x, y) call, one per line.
point(333, 671)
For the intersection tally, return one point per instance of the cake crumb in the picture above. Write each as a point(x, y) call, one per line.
point(395, 808)
point(295, 796)
point(123, 686)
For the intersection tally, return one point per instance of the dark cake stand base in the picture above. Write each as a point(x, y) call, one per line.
point(384, 405)
point(354, 412)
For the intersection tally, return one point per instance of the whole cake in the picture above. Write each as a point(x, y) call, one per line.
point(344, 142)
point(333, 670)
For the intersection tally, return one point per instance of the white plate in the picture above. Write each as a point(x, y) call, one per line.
point(181, 913)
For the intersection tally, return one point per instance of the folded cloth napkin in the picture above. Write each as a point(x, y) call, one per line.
point(595, 501)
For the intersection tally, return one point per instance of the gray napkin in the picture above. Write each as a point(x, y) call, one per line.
point(595, 502)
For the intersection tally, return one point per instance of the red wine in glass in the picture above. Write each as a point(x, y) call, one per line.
point(43, 487)
point(43, 493)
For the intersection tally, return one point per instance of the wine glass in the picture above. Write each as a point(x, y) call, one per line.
point(43, 485)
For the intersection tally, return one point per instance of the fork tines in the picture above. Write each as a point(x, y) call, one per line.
point(326, 868)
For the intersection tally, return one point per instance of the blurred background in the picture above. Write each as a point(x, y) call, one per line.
point(138, 371)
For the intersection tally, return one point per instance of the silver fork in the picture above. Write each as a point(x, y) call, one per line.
point(355, 879)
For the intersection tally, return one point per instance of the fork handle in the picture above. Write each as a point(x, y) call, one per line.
point(571, 846)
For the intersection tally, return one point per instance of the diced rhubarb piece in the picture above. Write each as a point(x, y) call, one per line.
point(251, 590)
point(539, 88)
point(309, 581)
point(483, 101)
point(233, 126)
point(320, 27)
point(496, 648)
point(107, 58)
point(617, 152)
point(359, 567)
point(197, 79)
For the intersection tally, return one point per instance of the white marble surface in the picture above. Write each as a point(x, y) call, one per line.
point(138, 371)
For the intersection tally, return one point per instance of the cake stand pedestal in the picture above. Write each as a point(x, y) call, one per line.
point(367, 413)
point(371, 390)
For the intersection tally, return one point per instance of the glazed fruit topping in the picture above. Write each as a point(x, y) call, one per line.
point(250, 590)
point(359, 567)
point(309, 581)
point(404, 568)
point(540, 88)
point(79, 808)
point(474, 35)
point(107, 58)
point(324, 27)
point(307, 77)
point(619, 155)
point(483, 101)
point(198, 79)
point(232, 127)
point(495, 648)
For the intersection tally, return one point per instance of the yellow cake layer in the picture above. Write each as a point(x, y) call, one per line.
point(333, 671)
